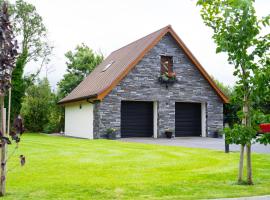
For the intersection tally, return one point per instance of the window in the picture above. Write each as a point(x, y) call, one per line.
point(166, 64)
point(167, 75)
point(107, 66)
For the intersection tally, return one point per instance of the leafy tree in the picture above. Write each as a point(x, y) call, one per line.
point(29, 24)
point(261, 105)
point(262, 93)
point(8, 53)
point(33, 45)
point(227, 90)
point(230, 109)
point(80, 63)
point(18, 86)
point(55, 122)
point(37, 106)
point(237, 32)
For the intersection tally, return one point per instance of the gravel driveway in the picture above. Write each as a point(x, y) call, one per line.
point(198, 142)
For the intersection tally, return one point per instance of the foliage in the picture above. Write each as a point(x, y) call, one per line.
point(166, 76)
point(8, 49)
point(264, 139)
point(230, 109)
point(18, 86)
point(28, 24)
point(238, 33)
point(38, 105)
point(261, 96)
point(259, 113)
point(111, 130)
point(8, 53)
point(227, 90)
point(80, 63)
point(33, 45)
point(259, 117)
point(108, 169)
point(55, 122)
point(239, 134)
point(68, 83)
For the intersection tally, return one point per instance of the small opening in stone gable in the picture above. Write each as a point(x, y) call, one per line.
point(167, 75)
point(166, 64)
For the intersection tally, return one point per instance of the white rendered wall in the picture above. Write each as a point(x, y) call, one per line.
point(79, 120)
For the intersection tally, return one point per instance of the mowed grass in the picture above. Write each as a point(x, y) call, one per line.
point(67, 168)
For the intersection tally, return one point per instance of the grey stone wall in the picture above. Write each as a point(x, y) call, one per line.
point(141, 84)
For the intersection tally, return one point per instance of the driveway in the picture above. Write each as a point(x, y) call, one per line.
point(198, 142)
point(267, 197)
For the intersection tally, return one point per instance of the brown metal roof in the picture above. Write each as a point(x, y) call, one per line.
point(99, 82)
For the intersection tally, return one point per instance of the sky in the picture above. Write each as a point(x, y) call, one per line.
point(106, 25)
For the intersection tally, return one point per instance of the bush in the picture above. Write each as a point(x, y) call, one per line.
point(239, 134)
point(54, 123)
point(39, 109)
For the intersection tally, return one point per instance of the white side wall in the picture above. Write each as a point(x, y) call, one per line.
point(79, 120)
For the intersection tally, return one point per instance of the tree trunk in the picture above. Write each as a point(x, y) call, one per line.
point(9, 105)
point(3, 149)
point(241, 164)
point(247, 123)
point(242, 150)
point(249, 167)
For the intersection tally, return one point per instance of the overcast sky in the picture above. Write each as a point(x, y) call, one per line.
point(106, 25)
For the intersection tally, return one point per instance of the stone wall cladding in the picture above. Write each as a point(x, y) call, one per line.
point(141, 84)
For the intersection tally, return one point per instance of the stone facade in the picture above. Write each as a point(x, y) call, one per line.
point(142, 84)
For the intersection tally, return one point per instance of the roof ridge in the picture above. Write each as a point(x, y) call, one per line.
point(166, 27)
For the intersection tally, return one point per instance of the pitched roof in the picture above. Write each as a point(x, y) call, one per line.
point(99, 82)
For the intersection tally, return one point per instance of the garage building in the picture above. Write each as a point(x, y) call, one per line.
point(143, 89)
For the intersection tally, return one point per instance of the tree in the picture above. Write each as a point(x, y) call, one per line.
point(227, 90)
point(237, 32)
point(37, 106)
point(55, 121)
point(33, 45)
point(80, 63)
point(262, 102)
point(8, 53)
point(230, 109)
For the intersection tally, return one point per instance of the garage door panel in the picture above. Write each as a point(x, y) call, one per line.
point(187, 119)
point(136, 119)
point(188, 128)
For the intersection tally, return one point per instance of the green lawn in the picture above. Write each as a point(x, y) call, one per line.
point(66, 168)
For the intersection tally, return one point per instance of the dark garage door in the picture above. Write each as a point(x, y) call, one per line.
point(187, 119)
point(136, 119)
